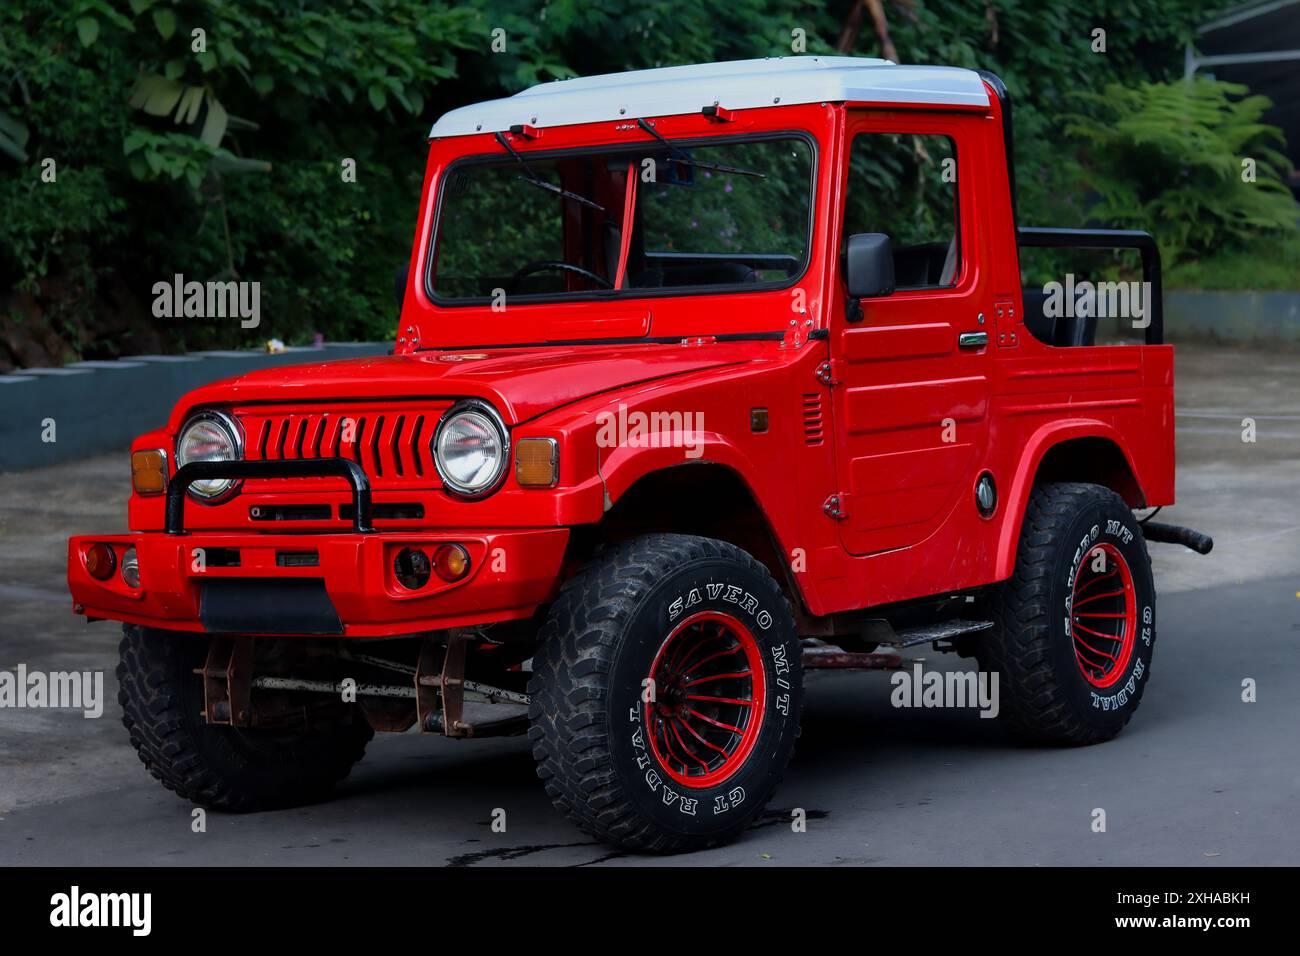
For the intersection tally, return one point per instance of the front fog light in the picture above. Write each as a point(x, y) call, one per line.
point(411, 568)
point(131, 569)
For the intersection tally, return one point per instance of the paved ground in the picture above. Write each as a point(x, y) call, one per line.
point(1199, 778)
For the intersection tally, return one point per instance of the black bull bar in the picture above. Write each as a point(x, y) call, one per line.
point(293, 468)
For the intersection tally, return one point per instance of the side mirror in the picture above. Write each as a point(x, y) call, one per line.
point(869, 266)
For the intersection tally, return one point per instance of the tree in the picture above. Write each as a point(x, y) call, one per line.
point(220, 153)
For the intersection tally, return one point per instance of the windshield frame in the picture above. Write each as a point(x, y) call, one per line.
point(627, 294)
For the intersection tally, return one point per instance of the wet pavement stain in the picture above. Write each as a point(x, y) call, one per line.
point(771, 818)
point(510, 853)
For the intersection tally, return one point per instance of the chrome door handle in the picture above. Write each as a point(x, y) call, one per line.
point(972, 340)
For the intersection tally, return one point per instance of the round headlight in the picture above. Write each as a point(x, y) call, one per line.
point(209, 436)
point(470, 448)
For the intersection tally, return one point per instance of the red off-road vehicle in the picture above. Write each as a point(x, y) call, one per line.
point(701, 371)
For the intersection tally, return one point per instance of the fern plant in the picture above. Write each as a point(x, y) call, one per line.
point(1188, 160)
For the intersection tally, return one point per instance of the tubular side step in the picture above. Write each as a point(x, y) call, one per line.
point(945, 630)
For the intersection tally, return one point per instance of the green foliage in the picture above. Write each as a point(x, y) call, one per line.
point(1043, 51)
point(1189, 161)
point(207, 138)
point(1267, 264)
point(493, 224)
point(13, 137)
point(897, 185)
point(217, 154)
point(558, 38)
point(729, 212)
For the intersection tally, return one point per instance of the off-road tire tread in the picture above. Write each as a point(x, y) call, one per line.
point(1034, 706)
point(568, 693)
point(150, 671)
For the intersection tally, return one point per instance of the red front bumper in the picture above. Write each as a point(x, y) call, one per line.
point(511, 573)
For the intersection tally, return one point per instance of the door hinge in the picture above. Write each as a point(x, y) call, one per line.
point(1004, 312)
point(825, 373)
point(836, 506)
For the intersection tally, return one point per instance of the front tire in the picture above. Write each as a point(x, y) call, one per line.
point(220, 767)
point(666, 694)
point(1074, 626)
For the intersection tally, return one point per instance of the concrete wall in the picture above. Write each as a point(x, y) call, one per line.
point(100, 406)
point(1259, 318)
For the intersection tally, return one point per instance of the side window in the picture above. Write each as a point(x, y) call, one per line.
point(905, 186)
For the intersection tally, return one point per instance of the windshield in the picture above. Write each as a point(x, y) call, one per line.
point(665, 216)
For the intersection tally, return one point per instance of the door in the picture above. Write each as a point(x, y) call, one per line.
point(913, 372)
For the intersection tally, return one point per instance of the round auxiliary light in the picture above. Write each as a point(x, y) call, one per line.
point(100, 561)
point(451, 561)
point(411, 567)
point(210, 436)
point(131, 568)
point(470, 449)
point(986, 495)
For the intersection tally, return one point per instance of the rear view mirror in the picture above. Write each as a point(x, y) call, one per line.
point(869, 266)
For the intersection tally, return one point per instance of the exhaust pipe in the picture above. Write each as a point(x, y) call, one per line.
point(1177, 534)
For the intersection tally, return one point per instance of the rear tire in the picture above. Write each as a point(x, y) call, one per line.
point(1074, 626)
point(693, 767)
point(220, 767)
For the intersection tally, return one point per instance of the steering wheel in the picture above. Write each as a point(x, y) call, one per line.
point(545, 265)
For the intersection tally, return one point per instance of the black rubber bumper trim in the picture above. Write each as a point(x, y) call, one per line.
point(267, 606)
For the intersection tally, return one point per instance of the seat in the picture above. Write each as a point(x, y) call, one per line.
point(924, 266)
point(1040, 325)
point(1076, 330)
point(1062, 331)
point(948, 274)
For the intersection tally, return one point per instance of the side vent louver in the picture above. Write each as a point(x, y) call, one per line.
point(813, 429)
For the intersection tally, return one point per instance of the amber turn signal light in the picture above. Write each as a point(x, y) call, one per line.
point(537, 462)
point(451, 562)
point(149, 472)
point(100, 561)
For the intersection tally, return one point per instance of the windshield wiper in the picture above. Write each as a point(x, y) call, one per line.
point(685, 160)
point(533, 179)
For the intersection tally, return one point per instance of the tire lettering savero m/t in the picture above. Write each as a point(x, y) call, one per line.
point(681, 402)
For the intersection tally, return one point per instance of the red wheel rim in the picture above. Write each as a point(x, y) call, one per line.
point(709, 697)
point(1103, 615)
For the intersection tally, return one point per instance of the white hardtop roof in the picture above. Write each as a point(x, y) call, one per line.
point(741, 84)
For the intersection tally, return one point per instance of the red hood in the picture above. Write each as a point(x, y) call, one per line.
point(521, 382)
